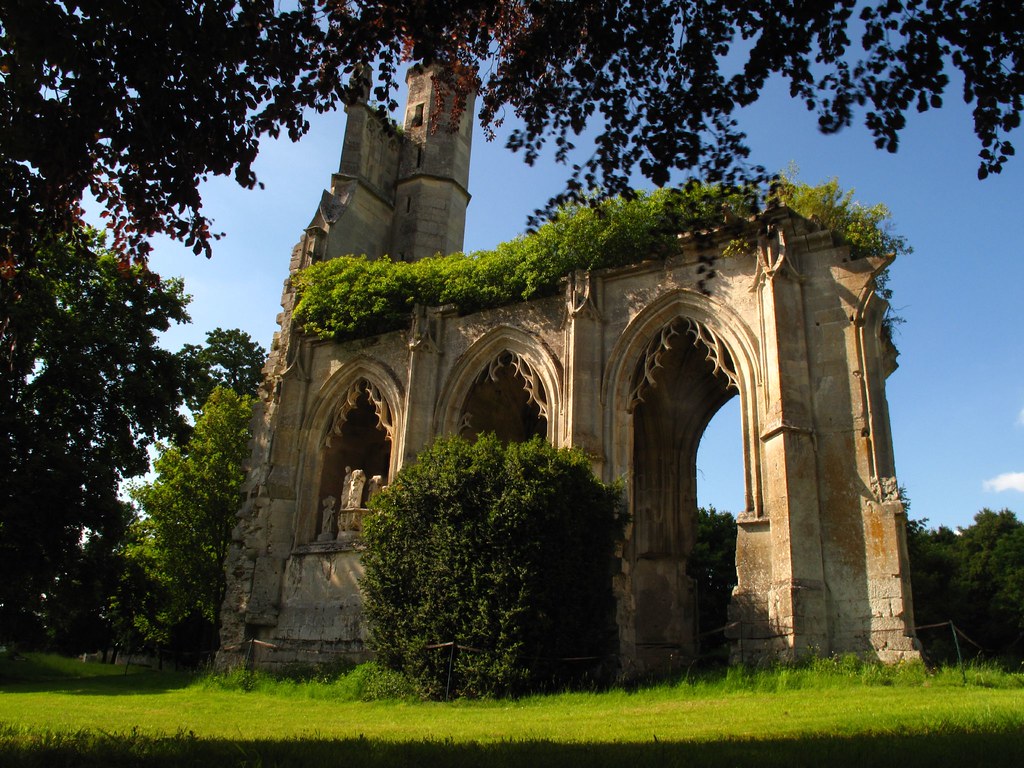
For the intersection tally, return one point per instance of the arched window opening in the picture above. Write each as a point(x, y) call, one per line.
point(682, 379)
point(356, 459)
point(720, 481)
point(721, 495)
point(507, 398)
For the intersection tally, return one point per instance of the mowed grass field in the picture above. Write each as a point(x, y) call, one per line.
point(55, 712)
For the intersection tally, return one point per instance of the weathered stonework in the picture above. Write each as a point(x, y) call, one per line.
point(629, 364)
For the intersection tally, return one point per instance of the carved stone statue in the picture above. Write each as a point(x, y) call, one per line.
point(352, 494)
point(327, 525)
point(375, 486)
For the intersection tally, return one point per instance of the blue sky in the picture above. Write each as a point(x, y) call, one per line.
point(957, 399)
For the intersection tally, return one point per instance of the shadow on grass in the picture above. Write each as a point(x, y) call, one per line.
point(27, 749)
point(134, 683)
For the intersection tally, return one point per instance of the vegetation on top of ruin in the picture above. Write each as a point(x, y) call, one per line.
point(353, 297)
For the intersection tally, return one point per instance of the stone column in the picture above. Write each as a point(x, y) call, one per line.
point(797, 603)
point(580, 410)
point(423, 379)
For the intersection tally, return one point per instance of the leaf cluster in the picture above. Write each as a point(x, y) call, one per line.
point(973, 576)
point(352, 297)
point(137, 103)
point(867, 229)
point(177, 547)
point(502, 549)
point(229, 358)
point(656, 86)
point(84, 389)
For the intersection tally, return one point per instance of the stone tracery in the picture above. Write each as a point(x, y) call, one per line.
point(651, 359)
point(349, 401)
point(508, 398)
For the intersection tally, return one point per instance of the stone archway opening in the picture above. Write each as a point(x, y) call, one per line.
point(355, 462)
point(683, 378)
point(506, 398)
point(721, 498)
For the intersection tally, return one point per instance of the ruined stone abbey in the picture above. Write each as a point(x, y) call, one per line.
point(629, 364)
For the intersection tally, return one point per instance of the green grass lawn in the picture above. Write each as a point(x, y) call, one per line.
point(836, 714)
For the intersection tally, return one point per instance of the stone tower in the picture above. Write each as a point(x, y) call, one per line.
point(400, 192)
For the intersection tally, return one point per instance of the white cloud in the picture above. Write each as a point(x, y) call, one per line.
point(1020, 418)
point(1008, 481)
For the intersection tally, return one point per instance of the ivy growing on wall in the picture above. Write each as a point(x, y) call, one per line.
point(353, 297)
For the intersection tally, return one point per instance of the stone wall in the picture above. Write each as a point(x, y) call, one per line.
point(629, 364)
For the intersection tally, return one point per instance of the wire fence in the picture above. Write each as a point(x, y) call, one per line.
point(251, 648)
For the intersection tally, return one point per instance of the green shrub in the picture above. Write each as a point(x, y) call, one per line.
point(867, 229)
point(352, 297)
point(378, 683)
point(502, 549)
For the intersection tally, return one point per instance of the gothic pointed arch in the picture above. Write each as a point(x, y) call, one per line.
point(673, 368)
point(507, 382)
point(724, 336)
point(352, 448)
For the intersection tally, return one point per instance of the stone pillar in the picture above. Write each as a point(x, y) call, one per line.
point(426, 347)
point(797, 607)
point(581, 410)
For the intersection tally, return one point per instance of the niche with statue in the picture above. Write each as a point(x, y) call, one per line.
point(356, 456)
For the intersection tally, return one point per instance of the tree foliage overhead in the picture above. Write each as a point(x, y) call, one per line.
point(85, 391)
point(138, 101)
point(502, 549)
point(352, 297)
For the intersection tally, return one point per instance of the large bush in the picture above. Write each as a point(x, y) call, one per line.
point(502, 549)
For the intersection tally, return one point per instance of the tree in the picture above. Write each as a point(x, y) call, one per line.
point(137, 102)
point(76, 614)
point(991, 555)
point(938, 591)
point(188, 513)
point(974, 577)
point(502, 549)
point(712, 566)
point(229, 359)
point(84, 391)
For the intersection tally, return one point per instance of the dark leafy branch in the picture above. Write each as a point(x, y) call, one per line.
point(137, 102)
